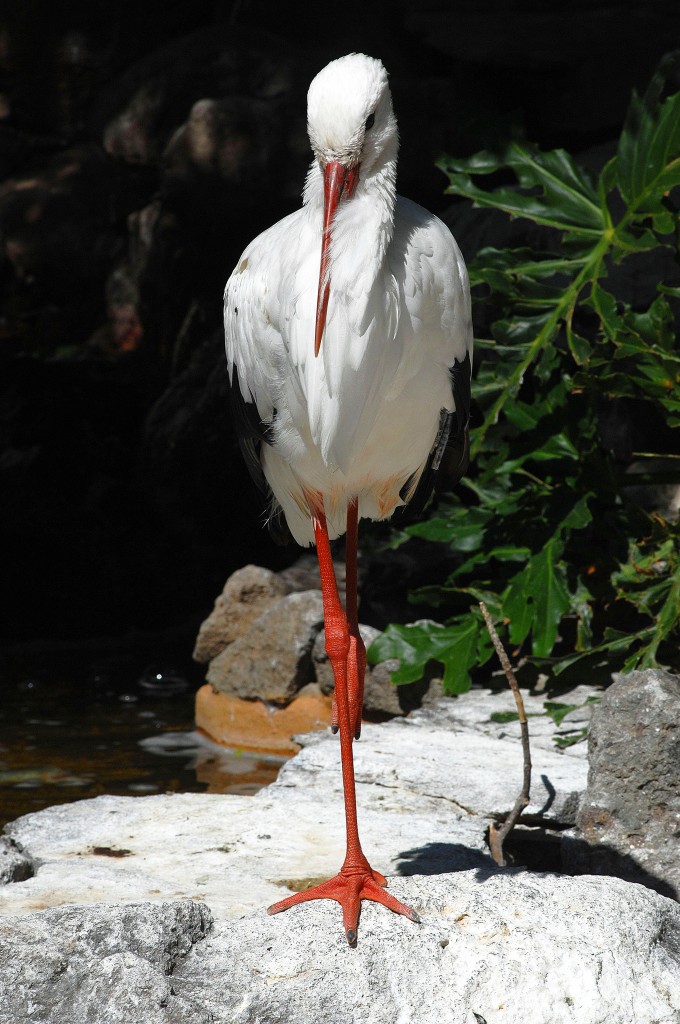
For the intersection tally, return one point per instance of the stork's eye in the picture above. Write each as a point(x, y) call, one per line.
point(370, 121)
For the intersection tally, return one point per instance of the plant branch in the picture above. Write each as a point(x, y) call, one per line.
point(498, 834)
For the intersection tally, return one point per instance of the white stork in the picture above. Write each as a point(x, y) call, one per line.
point(349, 342)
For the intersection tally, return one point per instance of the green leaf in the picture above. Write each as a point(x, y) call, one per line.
point(604, 305)
point(562, 195)
point(648, 163)
point(577, 736)
point(579, 515)
point(517, 264)
point(504, 716)
point(537, 598)
point(558, 711)
point(456, 647)
point(464, 530)
point(580, 347)
point(638, 240)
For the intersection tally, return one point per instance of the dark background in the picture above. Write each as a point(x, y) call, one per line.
point(142, 146)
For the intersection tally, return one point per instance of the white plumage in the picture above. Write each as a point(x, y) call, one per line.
point(360, 419)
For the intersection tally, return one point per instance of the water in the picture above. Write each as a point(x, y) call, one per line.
point(75, 725)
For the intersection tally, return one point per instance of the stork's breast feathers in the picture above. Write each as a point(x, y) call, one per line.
point(393, 331)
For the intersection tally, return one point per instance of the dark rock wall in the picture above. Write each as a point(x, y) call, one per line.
point(141, 147)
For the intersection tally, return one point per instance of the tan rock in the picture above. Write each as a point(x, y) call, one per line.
point(248, 593)
point(253, 725)
point(273, 660)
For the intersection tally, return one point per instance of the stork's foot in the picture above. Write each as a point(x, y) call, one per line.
point(349, 888)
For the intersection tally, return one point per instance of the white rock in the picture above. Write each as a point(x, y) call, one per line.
point(472, 712)
point(513, 947)
point(234, 853)
point(474, 772)
point(426, 791)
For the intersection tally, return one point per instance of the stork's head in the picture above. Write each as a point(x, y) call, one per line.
point(349, 114)
point(354, 137)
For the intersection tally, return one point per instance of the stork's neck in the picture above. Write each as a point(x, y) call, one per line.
point(364, 224)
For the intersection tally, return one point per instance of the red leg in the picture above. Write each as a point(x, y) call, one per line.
point(356, 880)
point(356, 662)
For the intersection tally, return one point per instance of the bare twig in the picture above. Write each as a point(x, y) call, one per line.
point(498, 833)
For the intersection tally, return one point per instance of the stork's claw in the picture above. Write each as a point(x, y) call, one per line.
point(356, 711)
point(349, 889)
point(357, 733)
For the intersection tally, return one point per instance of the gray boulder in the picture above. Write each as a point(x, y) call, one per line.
point(628, 823)
point(510, 948)
point(494, 946)
point(273, 659)
point(102, 962)
point(15, 865)
point(247, 594)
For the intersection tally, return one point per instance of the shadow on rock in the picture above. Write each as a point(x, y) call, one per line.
point(580, 858)
point(442, 859)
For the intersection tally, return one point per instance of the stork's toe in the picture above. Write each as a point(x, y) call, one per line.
point(349, 889)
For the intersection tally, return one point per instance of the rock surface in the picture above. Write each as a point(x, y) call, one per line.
point(67, 965)
point(629, 818)
point(123, 889)
point(608, 951)
point(238, 853)
point(479, 711)
point(15, 866)
point(247, 594)
point(403, 761)
point(273, 659)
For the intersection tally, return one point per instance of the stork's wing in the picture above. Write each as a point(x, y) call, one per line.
point(440, 302)
point(254, 348)
point(450, 454)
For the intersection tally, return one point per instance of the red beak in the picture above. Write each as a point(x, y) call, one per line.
point(338, 181)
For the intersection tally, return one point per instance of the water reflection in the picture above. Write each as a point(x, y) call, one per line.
point(111, 728)
point(220, 769)
point(163, 681)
